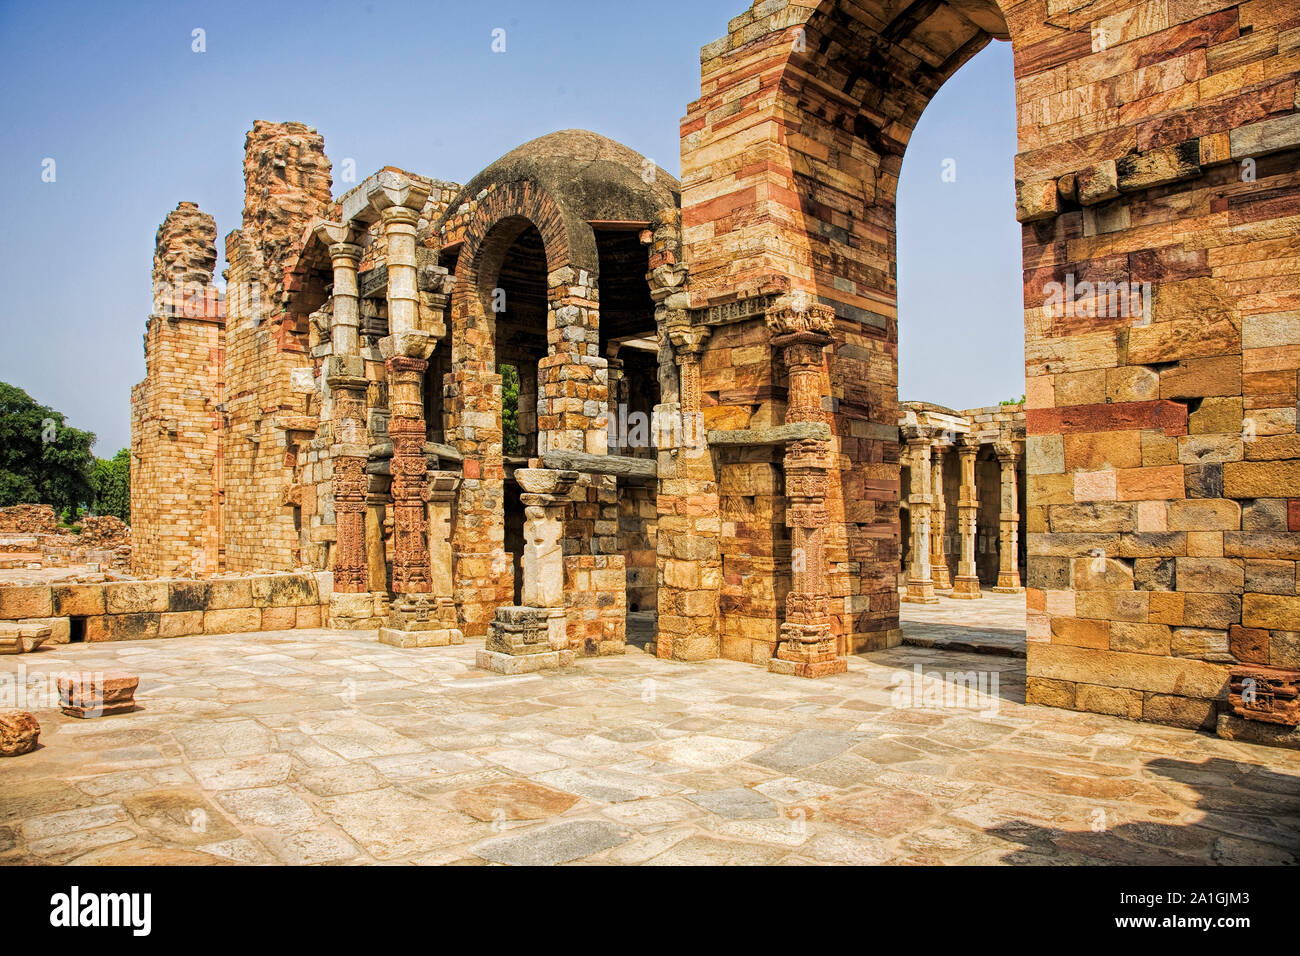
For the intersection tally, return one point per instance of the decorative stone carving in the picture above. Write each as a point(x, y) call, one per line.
point(1267, 694)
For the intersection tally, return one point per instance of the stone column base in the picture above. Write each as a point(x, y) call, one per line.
point(920, 592)
point(939, 574)
point(355, 612)
point(525, 639)
point(966, 588)
point(1008, 583)
point(807, 650)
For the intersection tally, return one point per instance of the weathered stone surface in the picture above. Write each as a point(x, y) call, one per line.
point(97, 695)
point(19, 733)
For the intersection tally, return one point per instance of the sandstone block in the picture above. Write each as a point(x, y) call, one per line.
point(135, 597)
point(180, 623)
point(232, 620)
point(20, 601)
point(229, 593)
point(1274, 611)
point(77, 600)
point(97, 695)
point(19, 733)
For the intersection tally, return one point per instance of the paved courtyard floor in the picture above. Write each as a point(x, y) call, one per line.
point(994, 624)
point(328, 747)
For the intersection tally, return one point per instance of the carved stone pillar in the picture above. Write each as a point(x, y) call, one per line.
point(418, 620)
point(938, 521)
point(533, 635)
point(406, 429)
point(1009, 525)
point(688, 343)
point(807, 645)
point(345, 377)
point(406, 350)
point(920, 586)
point(967, 583)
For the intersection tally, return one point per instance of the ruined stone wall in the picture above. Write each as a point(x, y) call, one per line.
point(287, 184)
point(1158, 144)
point(175, 418)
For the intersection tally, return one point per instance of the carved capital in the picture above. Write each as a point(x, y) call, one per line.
point(391, 191)
point(794, 314)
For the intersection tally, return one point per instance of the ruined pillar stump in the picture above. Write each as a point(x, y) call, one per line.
point(533, 636)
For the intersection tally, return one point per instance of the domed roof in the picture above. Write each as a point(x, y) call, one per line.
point(591, 177)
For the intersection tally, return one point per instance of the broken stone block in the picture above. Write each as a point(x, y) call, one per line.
point(23, 638)
point(98, 694)
point(1097, 183)
point(1035, 201)
point(19, 733)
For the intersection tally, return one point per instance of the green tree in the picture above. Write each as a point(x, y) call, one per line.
point(509, 409)
point(42, 459)
point(112, 484)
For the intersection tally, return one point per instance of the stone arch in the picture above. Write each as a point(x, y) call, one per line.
point(1132, 122)
point(558, 186)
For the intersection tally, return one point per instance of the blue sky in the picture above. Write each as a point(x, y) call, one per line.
point(136, 121)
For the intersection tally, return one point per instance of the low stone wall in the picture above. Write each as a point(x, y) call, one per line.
point(133, 610)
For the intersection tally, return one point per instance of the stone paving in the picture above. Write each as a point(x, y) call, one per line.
point(328, 747)
point(993, 625)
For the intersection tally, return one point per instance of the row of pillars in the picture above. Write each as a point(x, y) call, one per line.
point(928, 569)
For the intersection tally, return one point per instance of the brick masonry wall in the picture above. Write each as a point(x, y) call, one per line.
point(1158, 143)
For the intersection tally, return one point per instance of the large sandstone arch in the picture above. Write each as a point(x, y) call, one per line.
point(1157, 144)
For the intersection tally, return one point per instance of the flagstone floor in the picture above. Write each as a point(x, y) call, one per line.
point(328, 747)
point(994, 624)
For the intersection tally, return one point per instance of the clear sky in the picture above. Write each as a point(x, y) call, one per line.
point(136, 121)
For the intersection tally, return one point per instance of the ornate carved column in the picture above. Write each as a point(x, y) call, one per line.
point(807, 646)
point(533, 635)
point(967, 583)
point(920, 586)
point(345, 378)
point(406, 351)
point(1009, 524)
point(688, 343)
point(938, 521)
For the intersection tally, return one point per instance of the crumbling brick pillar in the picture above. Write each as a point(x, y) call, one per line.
point(920, 586)
point(1009, 523)
point(573, 379)
point(807, 646)
point(938, 515)
point(967, 583)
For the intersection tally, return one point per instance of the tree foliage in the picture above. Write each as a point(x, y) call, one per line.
point(42, 459)
point(509, 409)
point(111, 479)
